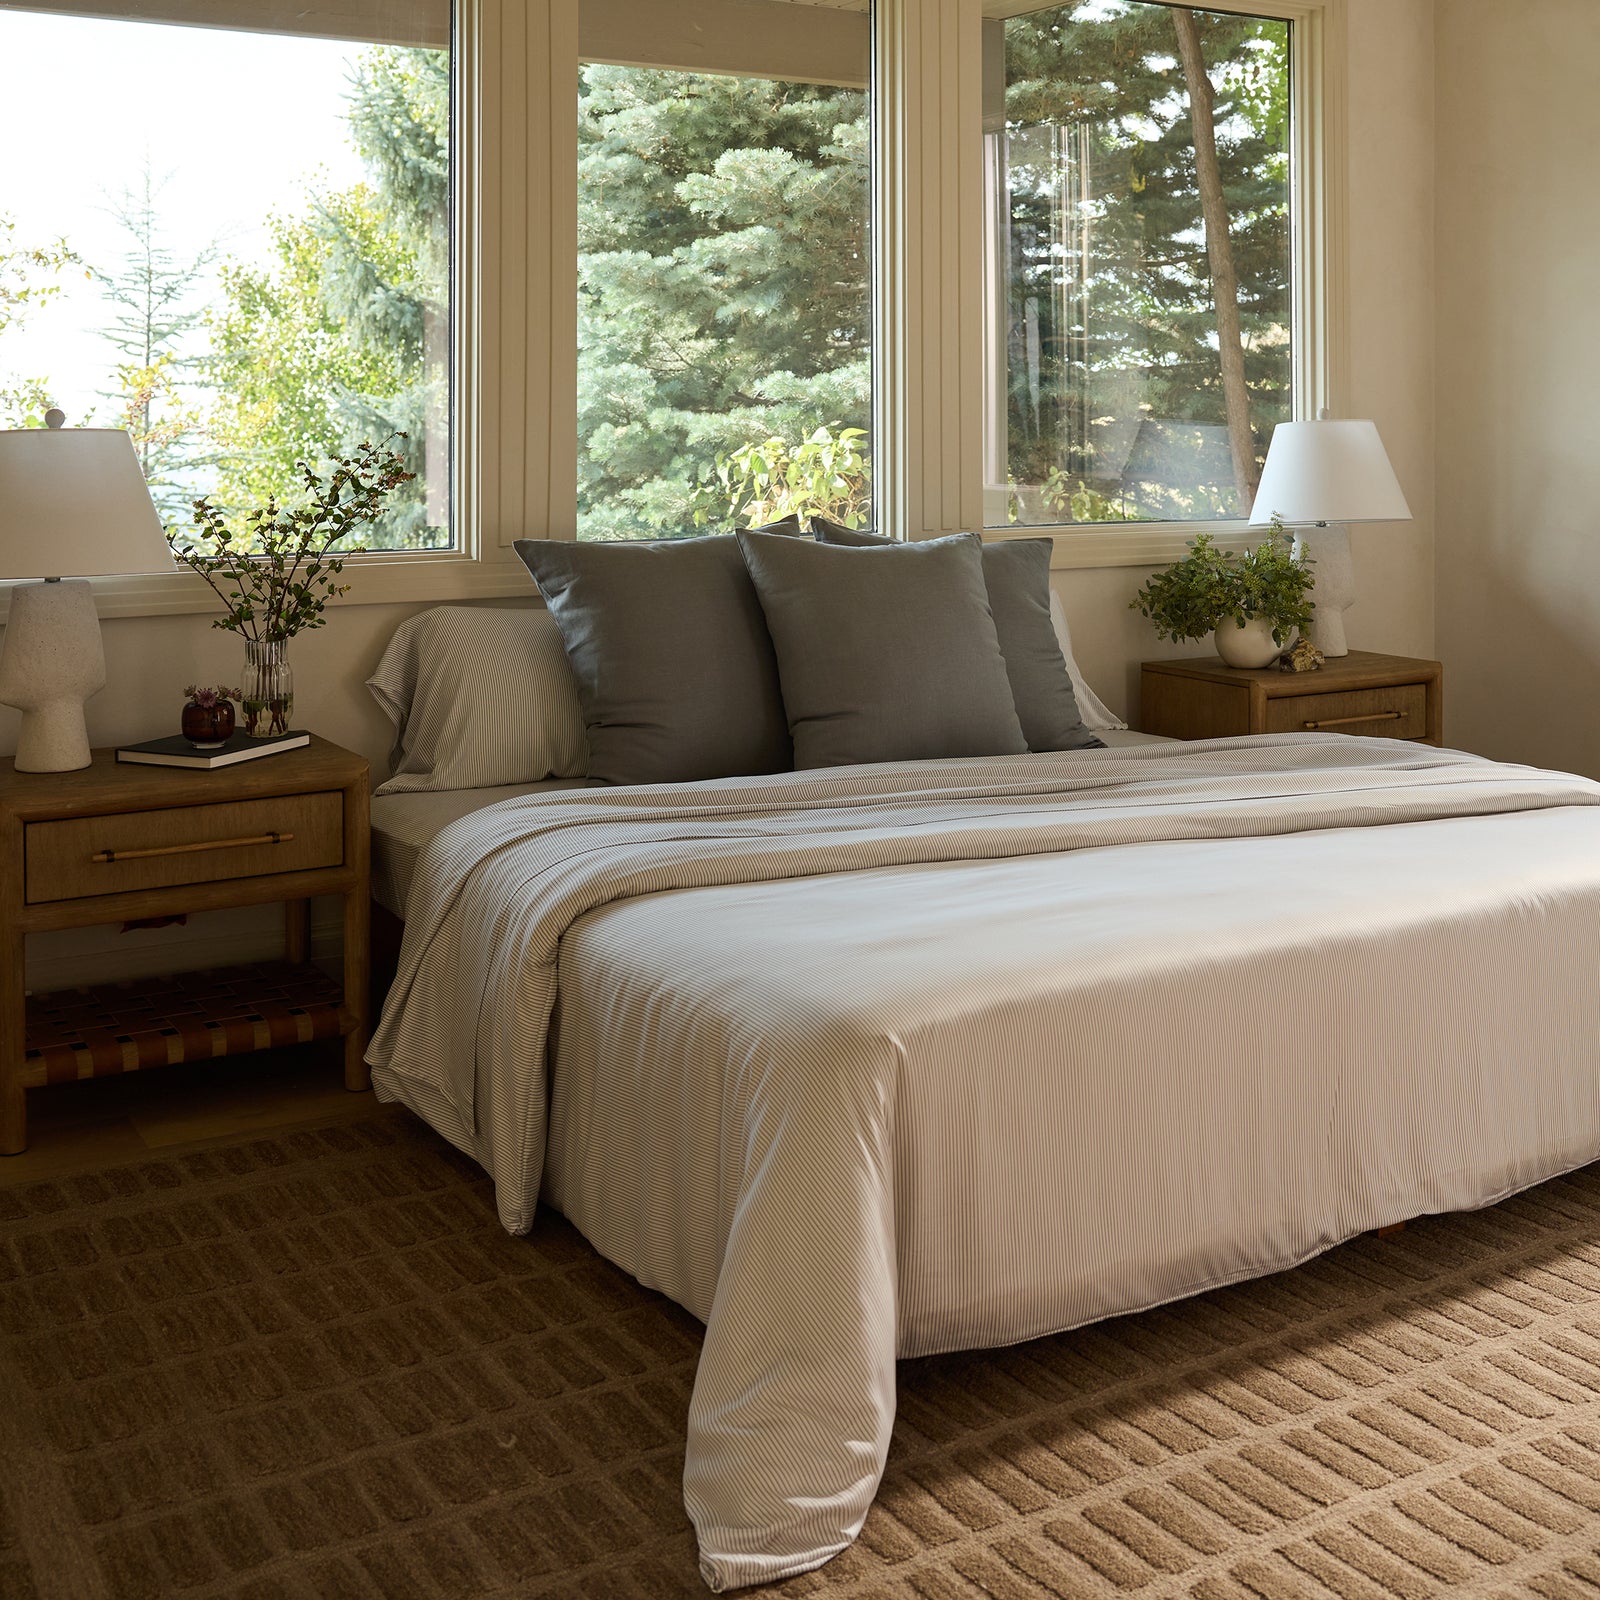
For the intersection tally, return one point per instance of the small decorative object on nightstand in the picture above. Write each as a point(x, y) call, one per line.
point(1251, 601)
point(115, 843)
point(276, 573)
point(1304, 657)
point(208, 716)
point(1393, 697)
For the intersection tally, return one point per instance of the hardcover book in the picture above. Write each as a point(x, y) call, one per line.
point(178, 752)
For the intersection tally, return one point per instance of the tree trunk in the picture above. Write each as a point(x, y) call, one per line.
point(1219, 248)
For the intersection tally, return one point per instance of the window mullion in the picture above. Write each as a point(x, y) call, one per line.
point(521, 228)
point(928, 215)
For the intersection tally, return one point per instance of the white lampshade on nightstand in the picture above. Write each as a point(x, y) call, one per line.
point(1320, 477)
point(73, 505)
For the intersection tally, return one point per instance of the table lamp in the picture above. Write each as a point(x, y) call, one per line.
point(1319, 477)
point(73, 505)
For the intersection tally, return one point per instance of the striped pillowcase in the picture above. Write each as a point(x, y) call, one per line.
point(479, 697)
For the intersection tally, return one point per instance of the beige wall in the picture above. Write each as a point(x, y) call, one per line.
point(1390, 321)
point(1391, 355)
point(1519, 348)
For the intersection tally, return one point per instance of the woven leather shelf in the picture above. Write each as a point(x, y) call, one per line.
point(194, 1016)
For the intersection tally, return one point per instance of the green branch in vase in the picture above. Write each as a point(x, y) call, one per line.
point(276, 573)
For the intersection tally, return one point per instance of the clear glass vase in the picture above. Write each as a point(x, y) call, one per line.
point(266, 701)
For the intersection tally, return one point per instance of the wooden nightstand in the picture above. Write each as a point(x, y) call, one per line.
point(115, 843)
point(1393, 697)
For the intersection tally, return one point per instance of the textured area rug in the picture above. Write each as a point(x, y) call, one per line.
point(313, 1366)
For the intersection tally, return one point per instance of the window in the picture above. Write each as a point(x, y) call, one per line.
point(1139, 286)
point(724, 274)
point(234, 241)
point(725, 340)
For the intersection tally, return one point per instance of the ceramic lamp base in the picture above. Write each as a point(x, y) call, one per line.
point(51, 662)
point(1333, 584)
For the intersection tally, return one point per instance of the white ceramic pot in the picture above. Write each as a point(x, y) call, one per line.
point(1247, 644)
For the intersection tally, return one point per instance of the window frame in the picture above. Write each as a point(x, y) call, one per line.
point(1317, 200)
point(514, 423)
point(476, 566)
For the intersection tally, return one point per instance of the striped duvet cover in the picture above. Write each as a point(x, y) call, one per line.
point(882, 1061)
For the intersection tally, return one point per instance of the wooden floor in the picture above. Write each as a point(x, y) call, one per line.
point(103, 1122)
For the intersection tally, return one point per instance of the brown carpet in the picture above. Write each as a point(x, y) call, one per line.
point(313, 1366)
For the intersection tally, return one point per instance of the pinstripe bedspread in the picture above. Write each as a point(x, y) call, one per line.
point(882, 1061)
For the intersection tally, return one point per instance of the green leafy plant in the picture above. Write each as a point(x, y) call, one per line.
point(1074, 501)
point(827, 474)
point(1210, 586)
point(276, 575)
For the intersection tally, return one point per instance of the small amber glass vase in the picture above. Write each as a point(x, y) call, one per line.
point(206, 727)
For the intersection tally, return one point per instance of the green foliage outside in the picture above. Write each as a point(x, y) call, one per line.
point(328, 345)
point(154, 314)
point(721, 216)
point(1209, 586)
point(1122, 328)
point(825, 475)
point(724, 361)
point(724, 304)
point(340, 337)
point(29, 277)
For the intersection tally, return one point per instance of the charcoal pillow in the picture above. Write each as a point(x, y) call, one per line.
point(1016, 573)
point(826, 531)
point(675, 672)
point(885, 654)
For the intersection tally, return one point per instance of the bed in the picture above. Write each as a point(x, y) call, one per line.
point(404, 823)
point(879, 1061)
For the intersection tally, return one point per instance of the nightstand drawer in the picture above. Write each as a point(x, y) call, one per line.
point(1396, 711)
point(85, 856)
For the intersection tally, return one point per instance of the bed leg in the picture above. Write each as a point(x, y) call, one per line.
point(1391, 1230)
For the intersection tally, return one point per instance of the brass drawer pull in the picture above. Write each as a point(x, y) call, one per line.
point(103, 856)
point(1344, 722)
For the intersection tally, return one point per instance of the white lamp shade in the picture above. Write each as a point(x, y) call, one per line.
point(73, 504)
point(1332, 470)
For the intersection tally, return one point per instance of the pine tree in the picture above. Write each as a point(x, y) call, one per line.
point(1127, 325)
point(343, 336)
point(394, 301)
point(158, 311)
point(723, 281)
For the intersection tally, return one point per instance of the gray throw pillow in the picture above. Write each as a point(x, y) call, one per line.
point(1017, 575)
point(1017, 572)
point(885, 654)
point(667, 642)
point(826, 531)
point(789, 524)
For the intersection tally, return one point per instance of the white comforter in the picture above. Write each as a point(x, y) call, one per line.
point(883, 1061)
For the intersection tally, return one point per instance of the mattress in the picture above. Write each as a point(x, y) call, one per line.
point(403, 825)
point(882, 1061)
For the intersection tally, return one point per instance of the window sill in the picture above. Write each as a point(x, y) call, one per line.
point(450, 576)
point(374, 580)
point(1123, 544)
